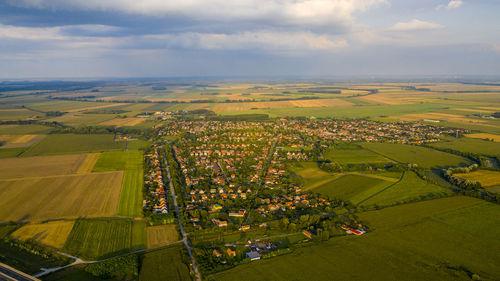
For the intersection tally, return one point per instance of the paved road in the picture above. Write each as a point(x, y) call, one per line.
point(8, 273)
point(181, 227)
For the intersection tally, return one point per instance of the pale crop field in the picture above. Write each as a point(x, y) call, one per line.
point(119, 122)
point(52, 233)
point(485, 177)
point(53, 197)
point(89, 163)
point(40, 166)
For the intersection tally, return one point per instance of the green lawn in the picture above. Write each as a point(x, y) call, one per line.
point(165, 264)
point(418, 241)
point(424, 157)
point(98, 238)
point(130, 202)
point(71, 143)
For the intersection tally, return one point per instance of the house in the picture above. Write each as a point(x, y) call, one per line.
point(219, 223)
point(353, 231)
point(245, 227)
point(240, 213)
point(307, 233)
point(253, 255)
point(231, 252)
point(217, 253)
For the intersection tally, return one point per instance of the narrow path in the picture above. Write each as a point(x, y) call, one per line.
point(181, 227)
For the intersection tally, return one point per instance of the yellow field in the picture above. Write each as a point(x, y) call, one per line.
point(93, 107)
point(53, 197)
point(119, 122)
point(495, 138)
point(438, 116)
point(13, 141)
point(161, 235)
point(88, 163)
point(53, 233)
point(485, 177)
point(40, 166)
point(245, 106)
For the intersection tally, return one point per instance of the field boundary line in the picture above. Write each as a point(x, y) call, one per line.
point(380, 191)
point(59, 176)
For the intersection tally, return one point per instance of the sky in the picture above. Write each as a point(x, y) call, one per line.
point(247, 38)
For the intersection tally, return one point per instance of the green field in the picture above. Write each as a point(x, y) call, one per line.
point(98, 238)
point(354, 156)
point(411, 187)
point(165, 264)
point(24, 129)
point(424, 157)
point(430, 240)
point(310, 174)
point(470, 145)
point(130, 202)
point(71, 143)
point(350, 187)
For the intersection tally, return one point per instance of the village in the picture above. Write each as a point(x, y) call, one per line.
point(235, 177)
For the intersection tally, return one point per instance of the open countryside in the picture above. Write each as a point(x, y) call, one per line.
point(294, 140)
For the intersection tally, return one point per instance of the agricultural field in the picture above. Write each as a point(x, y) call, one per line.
point(354, 156)
point(98, 238)
point(410, 187)
point(53, 233)
point(24, 129)
point(165, 264)
point(16, 141)
point(488, 179)
point(161, 235)
point(120, 122)
point(66, 196)
point(493, 137)
point(352, 187)
point(408, 242)
point(40, 166)
point(130, 202)
point(423, 157)
point(470, 145)
point(311, 174)
point(71, 143)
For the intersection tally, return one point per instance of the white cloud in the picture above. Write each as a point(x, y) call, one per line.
point(414, 25)
point(284, 11)
point(263, 40)
point(453, 4)
point(59, 40)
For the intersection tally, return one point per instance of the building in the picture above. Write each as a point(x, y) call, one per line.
point(231, 252)
point(253, 255)
point(308, 234)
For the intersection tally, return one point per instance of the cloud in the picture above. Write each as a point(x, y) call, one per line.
point(414, 25)
point(312, 12)
point(251, 40)
point(453, 4)
point(496, 48)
